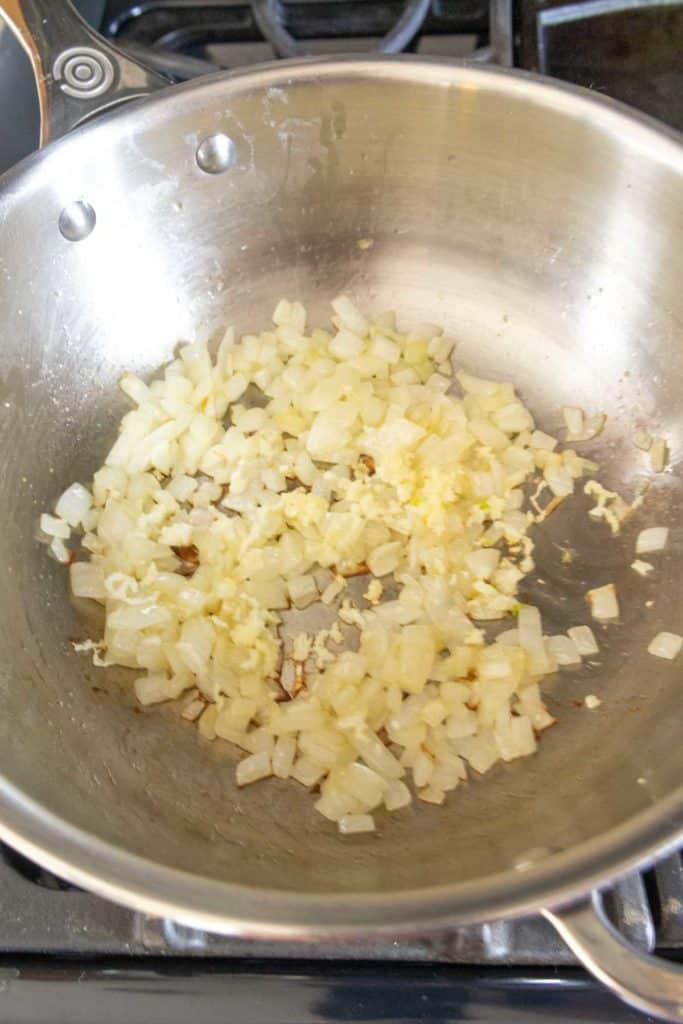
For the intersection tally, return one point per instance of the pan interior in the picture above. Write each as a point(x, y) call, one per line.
point(543, 233)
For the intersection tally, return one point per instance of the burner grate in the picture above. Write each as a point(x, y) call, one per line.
point(238, 32)
point(630, 51)
point(164, 22)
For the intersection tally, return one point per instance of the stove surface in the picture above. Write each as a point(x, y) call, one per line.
point(68, 955)
point(42, 914)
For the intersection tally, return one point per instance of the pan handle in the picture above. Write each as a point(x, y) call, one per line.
point(648, 983)
point(77, 72)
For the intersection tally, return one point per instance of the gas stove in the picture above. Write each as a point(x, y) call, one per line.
point(67, 955)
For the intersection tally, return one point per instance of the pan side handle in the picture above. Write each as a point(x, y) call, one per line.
point(648, 983)
point(77, 72)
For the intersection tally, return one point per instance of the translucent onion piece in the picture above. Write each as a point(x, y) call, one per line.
point(654, 538)
point(666, 645)
point(603, 602)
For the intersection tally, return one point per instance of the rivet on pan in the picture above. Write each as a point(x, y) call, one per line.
point(77, 220)
point(215, 153)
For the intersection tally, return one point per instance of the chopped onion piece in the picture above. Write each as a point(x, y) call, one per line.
point(333, 590)
point(432, 795)
point(584, 640)
point(643, 440)
point(508, 638)
point(158, 687)
point(73, 504)
point(542, 442)
point(384, 559)
point(87, 580)
point(592, 702)
point(350, 315)
point(483, 562)
point(397, 795)
point(346, 345)
point(564, 650)
point(352, 824)
point(559, 480)
point(659, 454)
point(666, 645)
point(476, 385)
point(283, 756)
point(253, 768)
point(580, 427)
point(302, 590)
point(288, 677)
point(60, 551)
point(652, 539)
point(53, 527)
point(603, 602)
point(573, 419)
point(531, 638)
point(642, 568)
point(193, 710)
point(135, 388)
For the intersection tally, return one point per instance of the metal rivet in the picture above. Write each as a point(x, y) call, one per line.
point(77, 220)
point(215, 153)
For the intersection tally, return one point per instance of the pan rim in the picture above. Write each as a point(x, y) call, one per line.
point(564, 96)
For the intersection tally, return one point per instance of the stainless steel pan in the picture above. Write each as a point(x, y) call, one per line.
point(542, 226)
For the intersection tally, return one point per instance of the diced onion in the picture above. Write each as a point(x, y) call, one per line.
point(157, 687)
point(397, 795)
point(246, 487)
point(384, 559)
point(666, 645)
point(542, 442)
point(54, 527)
point(559, 480)
point(603, 602)
point(483, 563)
point(564, 650)
point(73, 504)
point(87, 580)
point(573, 419)
point(654, 538)
point(302, 590)
point(60, 551)
point(350, 315)
point(531, 637)
point(254, 768)
point(581, 427)
point(659, 454)
point(283, 756)
point(352, 824)
point(584, 640)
